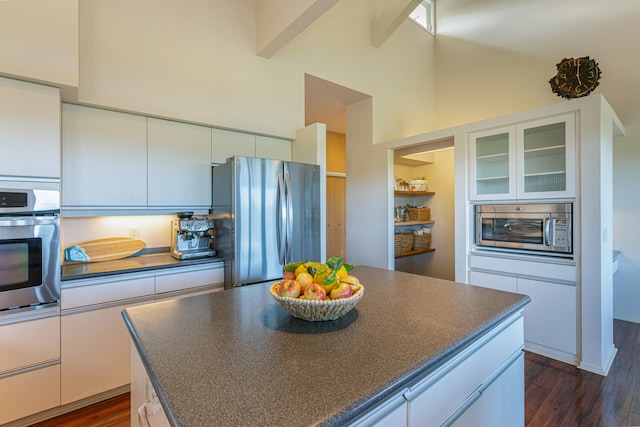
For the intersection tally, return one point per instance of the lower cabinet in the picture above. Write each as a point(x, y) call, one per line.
point(29, 392)
point(95, 352)
point(550, 319)
point(483, 385)
point(29, 366)
point(95, 343)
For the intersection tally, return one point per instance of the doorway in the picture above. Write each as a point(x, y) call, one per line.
point(434, 164)
point(327, 102)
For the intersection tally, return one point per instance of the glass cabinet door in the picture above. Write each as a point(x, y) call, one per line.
point(492, 164)
point(546, 157)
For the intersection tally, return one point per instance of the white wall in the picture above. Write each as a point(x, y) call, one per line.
point(197, 62)
point(40, 40)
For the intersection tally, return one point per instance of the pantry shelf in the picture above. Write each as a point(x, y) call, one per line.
point(408, 223)
point(413, 193)
point(415, 252)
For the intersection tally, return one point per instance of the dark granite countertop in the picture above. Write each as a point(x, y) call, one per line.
point(132, 264)
point(236, 358)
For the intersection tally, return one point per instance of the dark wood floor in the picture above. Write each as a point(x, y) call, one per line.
point(556, 394)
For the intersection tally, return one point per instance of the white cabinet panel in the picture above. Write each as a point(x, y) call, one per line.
point(104, 290)
point(493, 281)
point(179, 164)
point(104, 158)
point(445, 391)
point(29, 393)
point(391, 413)
point(273, 148)
point(95, 353)
point(550, 319)
point(173, 280)
point(515, 266)
point(29, 129)
point(495, 404)
point(29, 343)
point(531, 160)
point(226, 144)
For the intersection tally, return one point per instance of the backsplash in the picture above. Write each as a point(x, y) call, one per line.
point(155, 230)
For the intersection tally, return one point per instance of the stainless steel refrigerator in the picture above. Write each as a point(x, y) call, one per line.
point(267, 214)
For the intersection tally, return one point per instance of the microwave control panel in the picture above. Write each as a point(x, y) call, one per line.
point(561, 233)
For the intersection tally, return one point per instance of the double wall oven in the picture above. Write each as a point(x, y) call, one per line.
point(534, 228)
point(29, 249)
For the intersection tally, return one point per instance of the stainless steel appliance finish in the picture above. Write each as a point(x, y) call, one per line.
point(267, 214)
point(29, 249)
point(191, 238)
point(533, 227)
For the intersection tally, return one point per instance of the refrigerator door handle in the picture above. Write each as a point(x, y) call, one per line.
point(289, 215)
point(281, 220)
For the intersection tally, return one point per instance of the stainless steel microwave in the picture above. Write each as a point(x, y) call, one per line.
point(545, 228)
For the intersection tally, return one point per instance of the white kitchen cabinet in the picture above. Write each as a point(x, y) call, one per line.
point(226, 143)
point(95, 344)
point(455, 390)
point(179, 167)
point(393, 412)
point(95, 352)
point(104, 158)
point(183, 278)
point(500, 282)
point(550, 319)
point(273, 148)
point(29, 393)
point(29, 130)
point(531, 160)
point(493, 401)
point(29, 365)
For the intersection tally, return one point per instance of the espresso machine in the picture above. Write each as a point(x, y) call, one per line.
point(191, 236)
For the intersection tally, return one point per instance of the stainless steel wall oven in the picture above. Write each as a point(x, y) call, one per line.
point(29, 249)
point(545, 228)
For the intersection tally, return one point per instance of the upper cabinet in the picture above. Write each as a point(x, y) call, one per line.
point(29, 130)
point(532, 160)
point(120, 163)
point(104, 159)
point(226, 143)
point(179, 171)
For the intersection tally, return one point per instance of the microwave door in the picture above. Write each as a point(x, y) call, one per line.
point(523, 231)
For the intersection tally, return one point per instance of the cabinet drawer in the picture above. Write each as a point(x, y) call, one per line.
point(437, 396)
point(183, 279)
point(90, 292)
point(29, 393)
point(521, 267)
point(493, 281)
point(29, 343)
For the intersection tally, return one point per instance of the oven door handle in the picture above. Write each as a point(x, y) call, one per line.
point(547, 231)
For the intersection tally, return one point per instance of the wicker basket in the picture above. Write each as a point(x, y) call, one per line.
point(421, 242)
point(402, 243)
point(315, 310)
point(419, 214)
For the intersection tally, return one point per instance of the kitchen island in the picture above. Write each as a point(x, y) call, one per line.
point(237, 358)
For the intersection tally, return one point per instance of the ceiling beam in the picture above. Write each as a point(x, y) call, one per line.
point(391, 19)
point(280, 21)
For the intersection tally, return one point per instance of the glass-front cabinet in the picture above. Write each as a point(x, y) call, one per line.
point(532, 160)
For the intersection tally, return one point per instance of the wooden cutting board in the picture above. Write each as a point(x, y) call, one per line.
point(111, 248)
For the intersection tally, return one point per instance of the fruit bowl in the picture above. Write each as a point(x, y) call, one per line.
point(317, 310)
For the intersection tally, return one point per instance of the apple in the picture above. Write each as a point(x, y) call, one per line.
point(343, 290)
point(289, 275)
point(305, 280)
point(353, 281)
point(290, 288)
point(315, 292)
